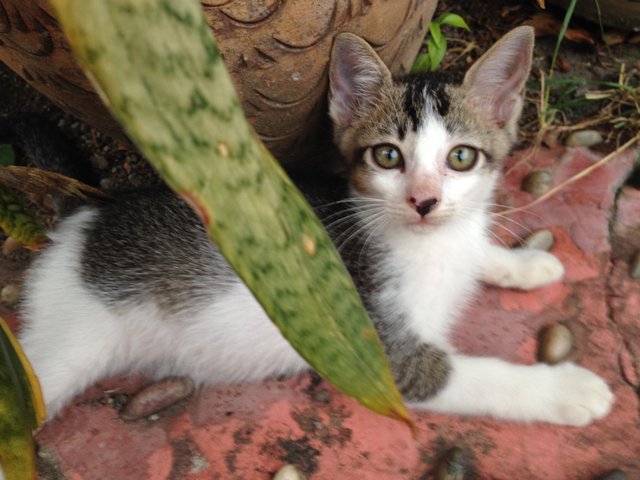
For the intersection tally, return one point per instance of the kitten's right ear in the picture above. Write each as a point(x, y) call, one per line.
point(495, 82)
point(356, 75)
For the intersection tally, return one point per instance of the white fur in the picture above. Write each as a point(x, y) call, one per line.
point(72, 339)
point(564, 394)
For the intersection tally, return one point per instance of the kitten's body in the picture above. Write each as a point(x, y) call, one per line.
point(136, 285)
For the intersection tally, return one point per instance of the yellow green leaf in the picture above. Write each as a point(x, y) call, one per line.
point(21, 409)
point(18, 220)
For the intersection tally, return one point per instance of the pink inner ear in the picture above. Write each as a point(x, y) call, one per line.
point(356, 76)
point(495, 82)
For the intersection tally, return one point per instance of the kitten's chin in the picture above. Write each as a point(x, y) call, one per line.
point(423, 225)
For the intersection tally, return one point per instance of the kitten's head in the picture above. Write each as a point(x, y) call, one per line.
point(423, 148)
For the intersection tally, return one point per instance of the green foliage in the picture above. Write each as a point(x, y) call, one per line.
point(437, 43)
point(18, 220)
point(547, 114)
point(7, 155)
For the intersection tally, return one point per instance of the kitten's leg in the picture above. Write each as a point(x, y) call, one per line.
point(522, 268)
point(69, 352)
point(67, 368)
point(564, 394)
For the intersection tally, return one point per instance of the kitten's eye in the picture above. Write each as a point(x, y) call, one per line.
point(387, 156)
point(462, 158)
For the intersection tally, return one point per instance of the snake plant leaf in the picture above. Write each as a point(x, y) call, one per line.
point(21, 409)
point(19, 221)
point(159, 70)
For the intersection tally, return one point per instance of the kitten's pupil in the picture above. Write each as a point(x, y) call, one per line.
point(462, 158)
point(387, 156)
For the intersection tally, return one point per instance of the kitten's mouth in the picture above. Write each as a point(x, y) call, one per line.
point(421, 224)
point(424, 223)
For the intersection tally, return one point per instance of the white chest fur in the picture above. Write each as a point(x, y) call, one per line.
point(437, 275)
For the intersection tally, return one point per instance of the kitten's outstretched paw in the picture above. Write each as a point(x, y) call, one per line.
point(533, 269)
point(581, 396)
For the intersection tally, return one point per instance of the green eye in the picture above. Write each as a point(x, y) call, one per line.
point(462, 158)
point(387, 156)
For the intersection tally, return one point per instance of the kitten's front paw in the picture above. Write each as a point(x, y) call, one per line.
point(536, 269)
point(580, 396)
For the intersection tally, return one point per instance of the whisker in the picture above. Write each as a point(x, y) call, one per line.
point(353, 232)
point(515, 222)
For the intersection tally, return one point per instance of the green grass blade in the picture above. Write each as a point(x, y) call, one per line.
point(159, 70)
point(563, 30)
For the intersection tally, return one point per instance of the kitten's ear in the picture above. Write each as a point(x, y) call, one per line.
point(494, 83)
point(356, 75)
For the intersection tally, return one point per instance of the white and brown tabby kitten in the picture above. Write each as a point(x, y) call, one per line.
point(135, 285)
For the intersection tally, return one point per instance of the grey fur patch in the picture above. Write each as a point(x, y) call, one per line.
point(421, 373)
point(151, 245)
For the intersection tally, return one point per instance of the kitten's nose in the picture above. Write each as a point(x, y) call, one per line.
point(424, 206)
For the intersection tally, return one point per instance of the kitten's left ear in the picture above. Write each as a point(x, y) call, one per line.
point(356, 75)
point(495, 82)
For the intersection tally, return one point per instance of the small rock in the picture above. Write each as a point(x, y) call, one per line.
point(584, 138)
point(540, 240)
point(635, 266)
point(106, 183)
point(613, 475)
point(289, 472)
point(537, 182)
point(556, 344)
point(10, 294)
point(100, 162)
point(451, 466)
point(322, 396)
point(11, 246)
point(157, 396)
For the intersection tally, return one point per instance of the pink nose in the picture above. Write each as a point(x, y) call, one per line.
point(424, 206)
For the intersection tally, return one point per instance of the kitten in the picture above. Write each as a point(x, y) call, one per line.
point(135, 285)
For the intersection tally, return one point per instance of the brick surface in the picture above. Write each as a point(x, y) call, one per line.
point(249, 431)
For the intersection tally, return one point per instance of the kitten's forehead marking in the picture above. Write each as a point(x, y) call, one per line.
point(432, 142)
point(424, 93)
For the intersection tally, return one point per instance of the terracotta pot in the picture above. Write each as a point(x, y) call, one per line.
point(277, 53)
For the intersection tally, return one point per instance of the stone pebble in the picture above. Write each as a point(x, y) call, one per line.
point(635, 266)
point(451, 466)
point(537, 182)
point(157, 396)
point(613, 475)
point(10, 294)
point(584, 138)
point(556, 344)
point(540, 240)
point(289, 472)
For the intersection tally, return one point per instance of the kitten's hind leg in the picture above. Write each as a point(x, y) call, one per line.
point(564, 394)
point(70, 354)
point(521, 268)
